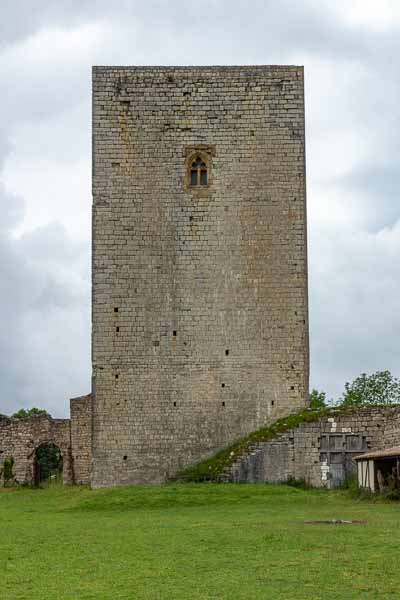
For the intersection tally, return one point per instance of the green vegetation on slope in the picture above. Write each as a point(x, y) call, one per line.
point(212, 468)
point(195, 542)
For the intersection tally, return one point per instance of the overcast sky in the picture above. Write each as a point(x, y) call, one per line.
point(351, 53)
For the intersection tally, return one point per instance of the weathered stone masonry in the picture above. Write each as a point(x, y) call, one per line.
point(320, 452)
point(81, 438)
point(19, 438)
point(200, 317)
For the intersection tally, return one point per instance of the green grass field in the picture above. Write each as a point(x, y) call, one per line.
point(197, 541)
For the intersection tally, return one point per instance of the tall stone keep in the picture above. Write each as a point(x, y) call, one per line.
point(200, 318)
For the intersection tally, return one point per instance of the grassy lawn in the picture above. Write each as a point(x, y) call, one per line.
point(197, 541)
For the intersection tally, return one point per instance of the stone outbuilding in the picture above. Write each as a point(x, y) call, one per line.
point(378, 470)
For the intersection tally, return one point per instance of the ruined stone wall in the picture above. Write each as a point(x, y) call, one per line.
point(81, 438)
point(200, 317)
point(302, 453)
point(391, 436)
point(19, 439)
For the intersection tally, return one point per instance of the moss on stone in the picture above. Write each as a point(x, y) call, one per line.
point(211, 469)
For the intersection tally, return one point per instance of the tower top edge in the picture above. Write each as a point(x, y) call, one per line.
point(224, 68)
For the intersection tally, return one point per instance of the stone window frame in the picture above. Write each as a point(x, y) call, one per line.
point(205, 153)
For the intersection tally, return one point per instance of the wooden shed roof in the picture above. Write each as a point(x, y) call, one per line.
point(387, 453)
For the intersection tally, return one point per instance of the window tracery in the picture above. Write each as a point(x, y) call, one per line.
point(198, 172)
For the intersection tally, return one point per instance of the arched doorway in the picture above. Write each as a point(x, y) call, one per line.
point(48, 464)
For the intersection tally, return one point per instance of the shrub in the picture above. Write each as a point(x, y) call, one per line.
point(350, 483)
point(317, 399)
point(24, 413)
point(8, 470)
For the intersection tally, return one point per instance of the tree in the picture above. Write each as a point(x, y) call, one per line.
point(49, 461)
point(317, 399)
point(24, 413)
point(380, 388)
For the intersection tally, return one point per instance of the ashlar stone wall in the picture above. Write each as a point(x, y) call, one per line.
point(81, 438)
point(20, 438)
point(391, 433)
point(319, 452)
point(200, 315)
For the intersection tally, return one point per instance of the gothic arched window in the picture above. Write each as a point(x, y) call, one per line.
point(198, 172)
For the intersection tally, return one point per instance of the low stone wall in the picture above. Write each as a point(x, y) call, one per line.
point(20, 438)
point(321, 452)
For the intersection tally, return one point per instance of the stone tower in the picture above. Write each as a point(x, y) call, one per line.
point(200, 316)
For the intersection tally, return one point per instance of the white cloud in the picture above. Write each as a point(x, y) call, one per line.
point(54, 191)
point(372, 15)
point(350, 50)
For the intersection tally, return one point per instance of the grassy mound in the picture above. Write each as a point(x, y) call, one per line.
point(212, 468)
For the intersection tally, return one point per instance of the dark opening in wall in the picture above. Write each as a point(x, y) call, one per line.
point(174, 333)
point(223, 404)
point(174, 403)
point(117, 329)
point(190, 218)
point(292, 387)
point(272, 402)
point(222, 385)
point(226, 352)
point(125, 457)
point(116, 376)
point(116, 309)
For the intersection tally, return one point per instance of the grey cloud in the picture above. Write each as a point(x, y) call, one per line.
point(44, 320)
point(22, 19)
point(45, 275)
point(261, 25)
point(378, 193)
point(12, 208)
point(355, 320)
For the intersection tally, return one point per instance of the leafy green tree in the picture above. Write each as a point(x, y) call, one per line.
point(380, 388)
point(317, 399)
point(24, 413)
point(8, 470)
point(49, 461)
